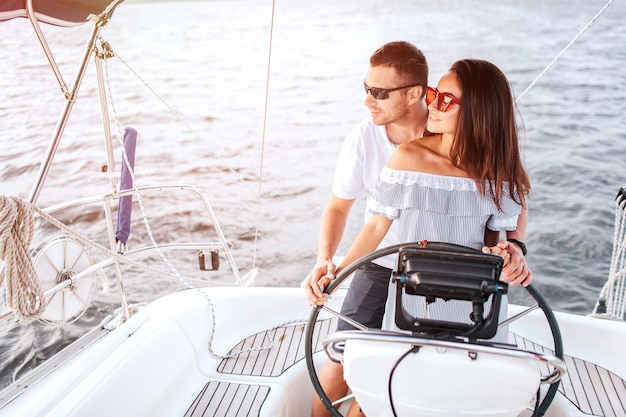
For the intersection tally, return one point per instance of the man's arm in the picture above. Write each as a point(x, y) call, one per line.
point(366, 242)
point(332, 226)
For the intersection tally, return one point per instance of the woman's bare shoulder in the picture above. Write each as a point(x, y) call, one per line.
point(410, 156)
point(424, 155)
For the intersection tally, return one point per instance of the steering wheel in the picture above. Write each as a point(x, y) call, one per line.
point(346, 272)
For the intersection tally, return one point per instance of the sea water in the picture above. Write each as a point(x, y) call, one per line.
point(261, 90)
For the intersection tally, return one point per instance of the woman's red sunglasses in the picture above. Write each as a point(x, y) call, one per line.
point(443, 99)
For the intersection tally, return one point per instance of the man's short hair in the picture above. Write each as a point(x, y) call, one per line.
point(408, 61)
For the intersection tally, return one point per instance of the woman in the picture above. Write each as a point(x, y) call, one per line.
point(463, 185)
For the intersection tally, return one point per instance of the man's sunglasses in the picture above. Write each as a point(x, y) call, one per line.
point(443, 99)
point(383, 93)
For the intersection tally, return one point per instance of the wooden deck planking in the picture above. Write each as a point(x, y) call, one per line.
point(610, 390)
point(287, 349)
point(228, 399)
point(591, 388)
point(602, 404)
point(254, 362)
point(276, 360)
point(296, 346)
point(233, 399)
point(620, 390)
point(567, 386)
point(586, 381)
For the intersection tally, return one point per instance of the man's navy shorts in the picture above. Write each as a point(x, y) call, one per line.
point(366, 298)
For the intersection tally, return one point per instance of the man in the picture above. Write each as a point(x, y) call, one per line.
point(395, 86)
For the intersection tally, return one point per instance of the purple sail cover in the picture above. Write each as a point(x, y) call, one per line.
point(126, 183)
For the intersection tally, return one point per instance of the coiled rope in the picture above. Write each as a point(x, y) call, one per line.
point(23, 290)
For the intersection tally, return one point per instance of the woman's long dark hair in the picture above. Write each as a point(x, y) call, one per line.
point(486, 145)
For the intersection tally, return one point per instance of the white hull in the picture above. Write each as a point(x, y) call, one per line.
point(158, 362)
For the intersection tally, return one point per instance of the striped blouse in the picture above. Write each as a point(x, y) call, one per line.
point(440, 208)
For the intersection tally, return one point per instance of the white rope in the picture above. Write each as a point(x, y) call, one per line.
point(617, 287)
point(613, 294)
point(24, 295)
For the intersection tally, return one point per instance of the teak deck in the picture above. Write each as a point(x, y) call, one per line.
point(591, 388)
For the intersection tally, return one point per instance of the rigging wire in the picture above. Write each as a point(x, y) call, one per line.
point(177, 114)
point(191, 130)
point(546, 69)
point(265, 105)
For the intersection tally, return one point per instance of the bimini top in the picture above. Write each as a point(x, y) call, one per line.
point(57, 12)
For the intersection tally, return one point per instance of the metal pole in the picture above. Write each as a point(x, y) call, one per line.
point(65, 114)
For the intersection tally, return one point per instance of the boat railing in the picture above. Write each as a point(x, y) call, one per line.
point(199, 232)
point(104, 241)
